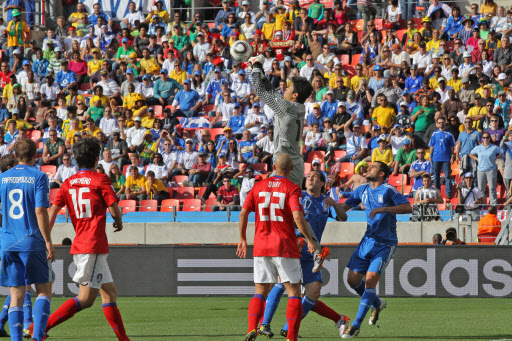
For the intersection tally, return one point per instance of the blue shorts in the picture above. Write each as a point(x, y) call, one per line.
point(25, 268)
point(306, 263)
point(370, 256)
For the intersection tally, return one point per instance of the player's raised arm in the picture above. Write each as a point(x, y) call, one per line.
point(302, 225)
point(241, 250)
point(400, 209)
point(117, 216)
point(44, 225)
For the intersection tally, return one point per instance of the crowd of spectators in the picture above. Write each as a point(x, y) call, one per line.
point(165, 99)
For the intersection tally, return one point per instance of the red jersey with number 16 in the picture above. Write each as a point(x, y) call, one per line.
point(87, 196)
point(274, 200)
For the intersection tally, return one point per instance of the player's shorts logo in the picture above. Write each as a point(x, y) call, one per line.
point(99, 277)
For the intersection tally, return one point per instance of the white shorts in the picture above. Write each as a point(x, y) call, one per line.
point(92, 270)
point(267, 269)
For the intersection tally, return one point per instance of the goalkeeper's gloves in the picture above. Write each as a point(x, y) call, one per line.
point(257, 64)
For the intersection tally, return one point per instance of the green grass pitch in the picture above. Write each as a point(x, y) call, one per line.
point(222, 318)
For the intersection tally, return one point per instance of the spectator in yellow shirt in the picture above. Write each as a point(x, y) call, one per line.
point(488, 7)
point(178, 73)
point(149, 119)
point(94, 65)
point(269, 26)
point(155, 188)
point(135, 185)
point(73, 131)
point(20, 123)
point(384, 115)
point(383, 153)
point(280, 17)
point(91, 129)
point(160, 11)
point(148, 63)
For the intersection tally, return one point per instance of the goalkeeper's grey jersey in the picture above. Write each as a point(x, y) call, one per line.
point(288, 117)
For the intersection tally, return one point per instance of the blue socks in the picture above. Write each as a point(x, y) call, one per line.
point(359, 288)
point(27, 310)
point(273, 299)
point(307, 305)
point(16, 323)
point(41, 316)
point(5, 312)
point(366, 302)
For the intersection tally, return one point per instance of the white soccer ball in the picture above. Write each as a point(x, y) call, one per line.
point(240, 51)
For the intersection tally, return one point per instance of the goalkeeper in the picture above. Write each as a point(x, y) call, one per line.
point(289, 112)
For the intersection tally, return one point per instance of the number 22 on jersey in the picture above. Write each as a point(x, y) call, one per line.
point(264, 206)
point(81, 205)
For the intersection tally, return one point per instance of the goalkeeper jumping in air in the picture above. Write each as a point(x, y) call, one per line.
point(289, 112)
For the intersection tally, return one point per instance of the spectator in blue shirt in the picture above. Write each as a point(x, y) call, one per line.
point(93, 18)
point(504, 103)
point(442, 145)
point(40, 66)
point(166, 88)
point(414, 82)
point(188, 100)
point(486, 155)
point(246, 146)
point(65, 78)
point(222, 16)
point(466, 142)
point(214, 87)
point(237, 121)
point(330, 105)
point(316, 117)
point(418, 168)
point(5, 115)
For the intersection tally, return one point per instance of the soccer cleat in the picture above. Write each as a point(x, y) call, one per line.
point(350, 333)
point(342, 324)
point(26, 334)
point(265, 331)
point(3, 333)
point(284, 333)
point(374, 317)
point(300, 243)
point(251, 336)
point(319, 259)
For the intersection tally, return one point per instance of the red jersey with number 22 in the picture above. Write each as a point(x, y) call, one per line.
point(87, 196)
point(274, 200)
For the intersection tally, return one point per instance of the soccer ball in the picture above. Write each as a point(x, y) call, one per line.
point(240, 51)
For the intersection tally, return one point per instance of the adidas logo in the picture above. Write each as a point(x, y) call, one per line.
point(18, 325)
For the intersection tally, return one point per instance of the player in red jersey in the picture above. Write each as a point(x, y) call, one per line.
point(87, 195)
point(277, 203)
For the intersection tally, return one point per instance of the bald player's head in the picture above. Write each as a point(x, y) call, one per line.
point(283, 164)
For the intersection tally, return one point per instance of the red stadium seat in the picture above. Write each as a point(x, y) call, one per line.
point(211, 25)
point(201, 193)
point(350, 70)
point(50, 170)
point(411, 201)
point(171, 192)
point(347, 168)
point(260, 167)
point(159, 111)
point(355, 59)
point(179, 179)
point(338, 154)
point(450, 45)
point(192, 205)
point(417, 21)
point(359, 35)
point(216, 131)
point(169, 204)
point(359, 24)
point(307, 168)
point(400, 34)
point(183, 193)
point(345, 59)
point(316, 154)
point(148, 206)
point(208, 107)
point(85, 86)
point(34, 135)
point(128, 206)
point(379, 24)
point(384, 35)
point(242, 166)
point(397, 180)
point(406, 190)
point(455, 169)
point(208, 204)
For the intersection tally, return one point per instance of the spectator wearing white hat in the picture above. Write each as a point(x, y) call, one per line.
point(466, 68)
point(469, 196)
point(245, 10)
point(186, 160)
point(443, 89)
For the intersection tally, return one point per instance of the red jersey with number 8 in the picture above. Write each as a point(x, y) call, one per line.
point(274, 200)
point(87, 196)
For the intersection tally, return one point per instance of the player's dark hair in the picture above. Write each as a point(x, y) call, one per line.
point(492, 209)
point(322, 177)
point(426, 176)
point(86, 152)
point(382, 168)
point(302, 87)
point(7, 161)
point(25, 150)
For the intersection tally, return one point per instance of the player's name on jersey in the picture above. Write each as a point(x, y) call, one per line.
point(80, 181)
point(18, 180)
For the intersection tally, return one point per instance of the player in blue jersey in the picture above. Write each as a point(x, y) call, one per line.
point(25, 240)
point(318, 209)
point(382, 202)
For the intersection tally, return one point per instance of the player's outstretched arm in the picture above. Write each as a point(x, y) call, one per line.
point(341, 215)
point(44, 225)
point(302, 225)
point(400, 209)
point(117, 216)
point(241, 250)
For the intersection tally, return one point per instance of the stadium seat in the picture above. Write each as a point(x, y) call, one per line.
point(179, 179)
point(417, 21)
point(342, 200)
point(201, 193)
point(85, 86)
point(338, 154)
point(168, 204)
point(355, 59)
point(406, 190)
point(455, 169)
point(450, 45)
point(208, 107)
point(50, 170)
point(128, 206)
point(171, 192)
point(397, 180)
point(400, 34)
point(183, 193)
point(350, 70)
point(359, 24)
point(148, 206)
point(345, 59)
point(307, 168)
point(211, 25)
point(159, 111)
point(216, 131)
point(192, 205)
point(359, 35)
point(316, 154)
point(260, 167)
point(443, 206)
point(379, 24)
point(208, 204)
point(34, 135)
point(411, 201)
point(347, 168)
point(242, 166)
